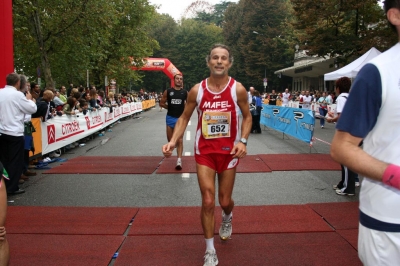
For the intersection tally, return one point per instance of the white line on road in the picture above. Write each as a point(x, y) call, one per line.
point(323, 141)
point(185, 175)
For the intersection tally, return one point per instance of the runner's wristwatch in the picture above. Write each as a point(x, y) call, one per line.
point(244, 141)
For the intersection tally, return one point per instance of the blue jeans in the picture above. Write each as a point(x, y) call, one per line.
point(322, 113)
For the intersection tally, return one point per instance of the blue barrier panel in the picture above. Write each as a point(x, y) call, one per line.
point(296, 122)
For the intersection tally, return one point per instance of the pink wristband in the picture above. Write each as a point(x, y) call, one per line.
point(391, 176)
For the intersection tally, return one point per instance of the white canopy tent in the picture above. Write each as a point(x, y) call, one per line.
point(352, 69)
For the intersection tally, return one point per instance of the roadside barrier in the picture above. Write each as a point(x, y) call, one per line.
point(296, 122)
point(61, 131)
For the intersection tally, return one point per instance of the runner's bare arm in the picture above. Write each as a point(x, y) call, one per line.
point(163, 101)
point(240, 150)
point(345, 150)
point(182, 122)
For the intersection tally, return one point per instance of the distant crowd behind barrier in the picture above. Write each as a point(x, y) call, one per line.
point(61, 131)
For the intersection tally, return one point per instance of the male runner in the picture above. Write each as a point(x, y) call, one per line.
point(174, 100)
point(219, 142)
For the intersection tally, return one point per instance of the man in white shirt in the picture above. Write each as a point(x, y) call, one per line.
point(307, 99)
point(14, 105)
point(250, 95)
point(285, 98)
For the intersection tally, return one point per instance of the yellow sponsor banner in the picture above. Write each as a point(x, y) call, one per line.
point(148, 104)
point(278, 102)
point(37, 136)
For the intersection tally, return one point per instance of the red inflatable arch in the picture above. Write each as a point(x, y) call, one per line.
point(159, 64)
point(6, 40)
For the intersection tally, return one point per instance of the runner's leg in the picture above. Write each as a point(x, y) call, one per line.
point(170, 131)
point(226, 181)
point(206, 179)
point(179, 147)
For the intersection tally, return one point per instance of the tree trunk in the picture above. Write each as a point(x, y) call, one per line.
point(47, 70)
point(43, 51)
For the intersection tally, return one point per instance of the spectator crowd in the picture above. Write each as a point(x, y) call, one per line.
point(46, 104)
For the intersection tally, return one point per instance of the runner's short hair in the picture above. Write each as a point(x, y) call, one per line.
point(180, 74)
point(223, 46)
point(389, 4)
point(344, 84)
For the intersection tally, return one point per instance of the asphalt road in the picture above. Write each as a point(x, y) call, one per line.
point(144, 136)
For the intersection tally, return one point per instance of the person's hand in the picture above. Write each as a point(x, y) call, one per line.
point(167, 149)
point(2, 233)
point(28, 95)
point(239, 150)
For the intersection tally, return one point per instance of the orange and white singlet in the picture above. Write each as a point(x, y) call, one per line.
point(218, 125)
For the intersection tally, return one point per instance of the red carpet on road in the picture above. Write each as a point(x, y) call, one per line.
point(252, 164)
point(262, 235)
point(167, 221)
point(60, 250)
point(168, 165)
point(243, 249)
point(350, 235)
point(340, 215)
point(248, 220)
point(299, 162)
point(249, 164)
point(108, 165)
point(68, 220)
point(260, 163)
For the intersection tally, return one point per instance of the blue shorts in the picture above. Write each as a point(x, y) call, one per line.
point(28, 142)
point(171, 121)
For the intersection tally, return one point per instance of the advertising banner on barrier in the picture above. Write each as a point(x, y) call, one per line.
point(296, 122)
point(63, 130)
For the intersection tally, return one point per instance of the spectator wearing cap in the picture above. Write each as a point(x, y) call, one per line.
point(14, 105)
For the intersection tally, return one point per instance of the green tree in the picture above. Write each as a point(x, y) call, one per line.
point(66, 37)
point(162, 28)
point(186, 46)
point(195, 40)
point(260, 39)
point(216, 16)
point(345, 28)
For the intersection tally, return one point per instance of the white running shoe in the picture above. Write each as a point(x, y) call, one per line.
point(341, 193)
point(225, 231)
point(210, 258)
point(178, 164)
